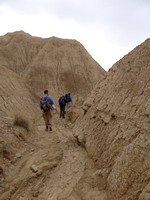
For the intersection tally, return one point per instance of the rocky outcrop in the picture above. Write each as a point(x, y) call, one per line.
point(115, 126)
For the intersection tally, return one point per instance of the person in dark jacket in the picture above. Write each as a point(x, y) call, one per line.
point(62, 104)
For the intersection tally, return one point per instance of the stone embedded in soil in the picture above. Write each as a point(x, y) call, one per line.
point(34, 168)
point(18, 155)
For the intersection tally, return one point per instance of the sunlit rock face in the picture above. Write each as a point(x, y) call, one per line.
point(115, 126)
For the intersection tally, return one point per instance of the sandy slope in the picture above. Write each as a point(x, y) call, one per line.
point(115, 126)
point(64, 171)
point(56, 64)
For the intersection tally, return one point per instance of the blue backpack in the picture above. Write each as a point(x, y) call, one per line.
point(67, 97)
point(62, 101)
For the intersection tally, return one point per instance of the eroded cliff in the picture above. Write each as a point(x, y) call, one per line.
point(115, 126)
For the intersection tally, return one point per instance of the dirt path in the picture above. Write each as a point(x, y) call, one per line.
point(71, 169)
point(52, 166)
point(74, 170)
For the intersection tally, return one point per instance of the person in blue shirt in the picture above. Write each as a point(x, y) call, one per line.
point(68, 100)
point(47, 115)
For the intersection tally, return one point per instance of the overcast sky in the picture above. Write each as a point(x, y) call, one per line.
point(108, 29)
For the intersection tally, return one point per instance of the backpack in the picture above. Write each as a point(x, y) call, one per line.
point(62, 101)
point(67, 98)
point(44, 105)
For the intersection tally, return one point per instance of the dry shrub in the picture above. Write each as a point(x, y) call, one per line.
point(22, 121)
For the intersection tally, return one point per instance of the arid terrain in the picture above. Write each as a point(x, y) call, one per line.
point(59, 65)
point(100, 151)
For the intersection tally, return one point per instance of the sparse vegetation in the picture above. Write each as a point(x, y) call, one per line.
point(22, 121)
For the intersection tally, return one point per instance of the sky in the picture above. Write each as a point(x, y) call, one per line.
point(108, 29)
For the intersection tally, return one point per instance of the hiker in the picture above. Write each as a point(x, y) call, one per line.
point(62, 104)
point(47, 104)
point(68, 99)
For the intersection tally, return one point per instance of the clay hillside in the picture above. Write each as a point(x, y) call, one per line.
point(100, 151)
point(59, 65)
point(35, 164)
point(115, 127)
point(16, 96)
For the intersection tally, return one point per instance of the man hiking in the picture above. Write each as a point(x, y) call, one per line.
point(47, 104)
point(68, 99)
point(62, 103)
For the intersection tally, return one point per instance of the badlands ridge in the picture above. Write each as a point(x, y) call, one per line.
point(110, 119)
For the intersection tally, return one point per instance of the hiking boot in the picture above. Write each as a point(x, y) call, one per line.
point(46, 128)
point(50, 128)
